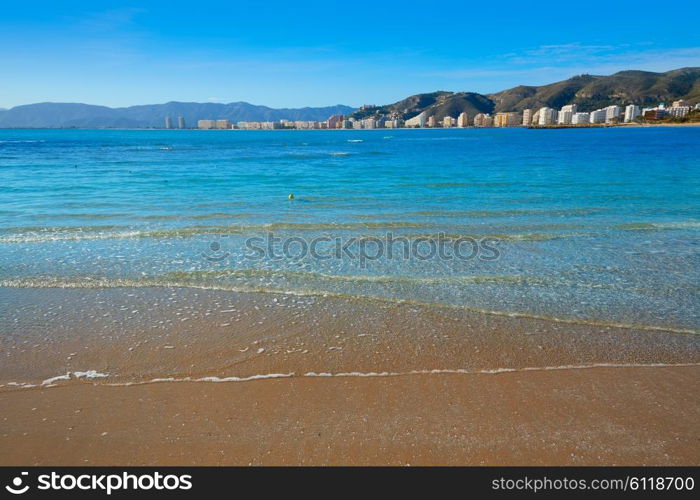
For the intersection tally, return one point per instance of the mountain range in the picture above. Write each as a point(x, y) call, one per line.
point(64, 115)
point(587, 91)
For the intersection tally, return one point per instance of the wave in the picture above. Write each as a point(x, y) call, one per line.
point(656, 226)
point(36, 235)
point(174, 282)
point(43, 235)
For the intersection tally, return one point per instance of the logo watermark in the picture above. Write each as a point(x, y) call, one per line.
point(363, 249)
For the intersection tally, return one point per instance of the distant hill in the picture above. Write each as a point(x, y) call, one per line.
point(438, 104)
point(589, 92)
point(55, 115)
point(592, 92)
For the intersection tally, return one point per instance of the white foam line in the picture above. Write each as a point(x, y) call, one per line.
point(89, 374)
point(92, 374)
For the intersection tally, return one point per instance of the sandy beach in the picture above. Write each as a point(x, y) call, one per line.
point(274, 379)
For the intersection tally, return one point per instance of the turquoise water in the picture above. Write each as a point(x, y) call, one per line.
point(596, 225)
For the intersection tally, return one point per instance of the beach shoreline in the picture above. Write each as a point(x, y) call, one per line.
point(600, 416)
point(288, 380)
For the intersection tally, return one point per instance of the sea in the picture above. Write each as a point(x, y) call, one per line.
point(597, 226)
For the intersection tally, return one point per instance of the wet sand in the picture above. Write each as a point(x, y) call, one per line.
point(275, 379)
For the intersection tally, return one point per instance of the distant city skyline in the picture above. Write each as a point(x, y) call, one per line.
point(319, 54)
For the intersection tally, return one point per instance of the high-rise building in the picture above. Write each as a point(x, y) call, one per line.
point(632, 111)
point(335, 121)
point(565, 117)
point(678, 111)
point(681, 103)
point(597, 116)
point(223, 124)
point(416, 121)
point(483, 120)
point(463, 120)
point(168, 122)
point(206, 124)
point(448, 122)
point(181, 122)
point(527, 117)
point(612, 114)
point(505, 120)
point(548, 116)
point(431, 122)
point(580, 118)
point(566, 114)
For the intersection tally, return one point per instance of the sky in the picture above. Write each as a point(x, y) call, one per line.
point(321, 53)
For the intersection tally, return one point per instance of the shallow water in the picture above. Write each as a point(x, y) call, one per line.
point(596, 225)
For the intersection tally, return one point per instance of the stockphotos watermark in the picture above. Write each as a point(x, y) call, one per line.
point(103, 483)
point(363, 249)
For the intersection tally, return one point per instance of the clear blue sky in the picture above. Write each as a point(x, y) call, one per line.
point(309, 53)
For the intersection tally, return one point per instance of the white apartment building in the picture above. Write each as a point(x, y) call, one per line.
point(565, 116)
point(416, 121)
point(527, 117)
point(580, 118)
point(598, 116)
point(448, 122)
point(632, 111)
point(463, 120)
point(678, 111)
point(612, 113)
point(548, 116)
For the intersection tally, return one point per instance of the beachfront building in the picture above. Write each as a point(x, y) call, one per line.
point(463, 120)
point(168, 122)
point(598, 116)
point(369, 123)
point(654, 113)
point(448, 122)
point(682, 103)
point(565, 117)
point(678, 111)
point(566, 114)
point(506, 120)
point(548, 116)
point(335, 121)
point(181, 122)
point(580, 119)
point(431, 122)
point(416, 121)
point(612, 114)
point(527, 117)
point(223, 124)
point(483, 120)
point(206, 124)
point(632, 111)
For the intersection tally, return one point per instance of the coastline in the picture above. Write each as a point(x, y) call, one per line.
point(275, 379)
point(600, 125)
